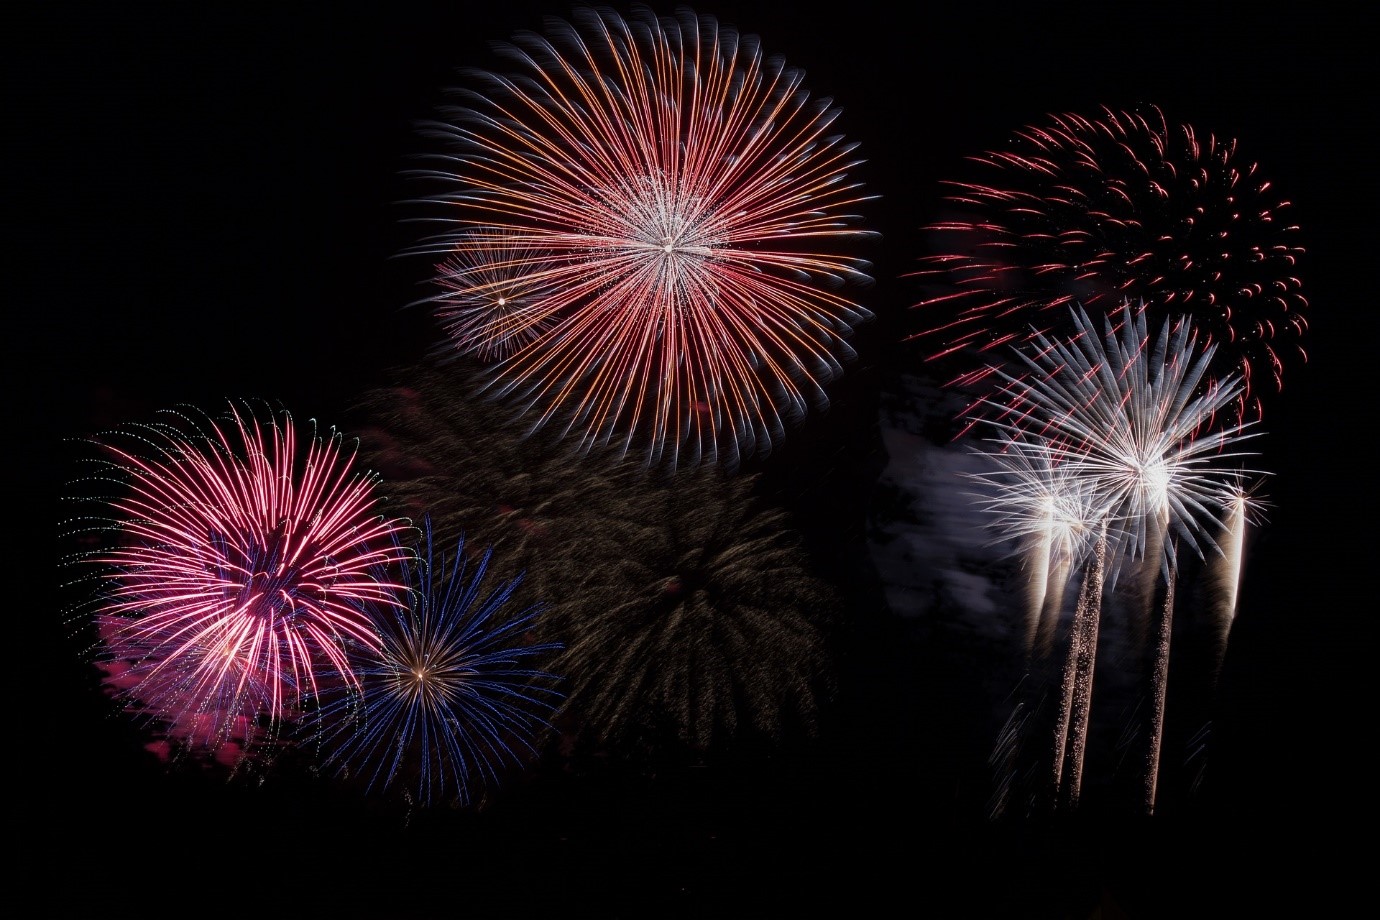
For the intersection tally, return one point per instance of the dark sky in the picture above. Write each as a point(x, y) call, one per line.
point(208, 209)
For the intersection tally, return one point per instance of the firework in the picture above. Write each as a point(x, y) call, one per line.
point(692, 618)
point(1095, 211)
point(232, 591)
point(449, 455)
point(686, 606)
point(451, 700)
point(683, 216)
point(1129, 410)
point(1051, 510)
point(1125, 414)
point(1075, 700)
point(1059, 520)
point(1246, 510)
point(494, 287)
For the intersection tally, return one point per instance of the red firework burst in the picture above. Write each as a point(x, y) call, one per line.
point(1100, 212)
point(675, 207)
point(241, 574)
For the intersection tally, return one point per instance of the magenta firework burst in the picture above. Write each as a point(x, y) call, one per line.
point(1124, 206)
point(677, 212)
point(242, 564)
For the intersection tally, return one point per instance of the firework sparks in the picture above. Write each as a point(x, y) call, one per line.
point(494, 287)
point(1075, 704)
point(451, 700)
point(1052, 510)
point(1129, 410)
point(680, 204)
point(1124, 414)
point(450, 456)
point(1095, 211)
point(1246, 509)
point(686, 607)
point(1058, 523)
point(692, 619)
point(233, 590)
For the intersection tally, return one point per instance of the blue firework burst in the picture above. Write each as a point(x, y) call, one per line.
point(454, 699)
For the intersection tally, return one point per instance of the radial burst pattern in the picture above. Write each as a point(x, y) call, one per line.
point(493, 290)
point(238, 562)
point(690, 618)
point(1125, 205)
point(1110, 435)
point(685, 604)
point(1129, 410)
point(455, 697)
point(678, 212)
point(448, 455)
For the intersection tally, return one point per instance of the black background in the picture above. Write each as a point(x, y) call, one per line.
point(207, 200)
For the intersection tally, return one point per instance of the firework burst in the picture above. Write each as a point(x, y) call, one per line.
point(493, 290)
point(1051, 510)
point(1095, 211)
point(451, 700)
point(231, 594)
point(449, 456)
point(1129, 410)
point(691, 620)
point(685, 216)
point(1121, 417)
point(686, 607)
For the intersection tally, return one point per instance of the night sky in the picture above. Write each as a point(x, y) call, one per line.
point(208, 209)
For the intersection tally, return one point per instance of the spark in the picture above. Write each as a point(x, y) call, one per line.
point(1125, 415)
point(232, 591)
point(686, 214)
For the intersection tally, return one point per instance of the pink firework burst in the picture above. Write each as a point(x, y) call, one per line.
point(241, 573)
point(1096, 212)
point(681, 215)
